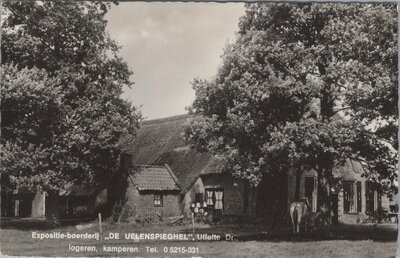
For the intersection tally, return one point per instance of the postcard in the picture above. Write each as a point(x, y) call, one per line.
point(199, 129)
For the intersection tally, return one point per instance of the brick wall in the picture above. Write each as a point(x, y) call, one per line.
point(38, 204)
point(170, 205)
point(233, 197)
point(138, 202)
point(233, 192)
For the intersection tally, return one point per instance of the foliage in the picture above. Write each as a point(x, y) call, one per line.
point(304, 86)
point(34, 117)
point(379, 216)
point(318, 224)
point(116, 211)
point(62, 77)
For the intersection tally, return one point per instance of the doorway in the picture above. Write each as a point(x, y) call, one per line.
point(334, 208)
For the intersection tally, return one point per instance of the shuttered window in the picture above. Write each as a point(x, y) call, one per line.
point(352, 196)
point(215, 198)
point(372, 196)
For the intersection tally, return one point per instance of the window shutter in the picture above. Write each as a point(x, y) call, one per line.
point(351, 196)
point(222, 197)
point(218, 200)
point(359, 196)
point(346, 203)
point(209, 198)
point(379, 200)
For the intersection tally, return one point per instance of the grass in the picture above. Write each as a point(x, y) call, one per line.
point(353, 241)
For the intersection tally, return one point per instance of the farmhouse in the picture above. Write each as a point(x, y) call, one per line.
point(203, 181)
point(160, 175)
point(201, 177)
point(145, 190)
point(351, 198)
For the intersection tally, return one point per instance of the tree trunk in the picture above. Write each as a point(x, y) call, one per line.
point(279, 209)
point(252, 194)
point(297, 190)
point(323, 197)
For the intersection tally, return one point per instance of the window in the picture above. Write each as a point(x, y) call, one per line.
point(209, 196)
point(373, 196)
point(219, 205)
point(352, 196)
point(215, 198)
point(158, 200)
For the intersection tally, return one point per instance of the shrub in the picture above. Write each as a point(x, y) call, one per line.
point(379, 216)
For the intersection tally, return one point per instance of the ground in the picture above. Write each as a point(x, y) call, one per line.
point(251, 241)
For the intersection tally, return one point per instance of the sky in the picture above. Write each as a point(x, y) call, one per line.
point(167, 45)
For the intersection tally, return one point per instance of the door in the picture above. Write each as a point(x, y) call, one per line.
point(310, 193)
point(25, 207)
point(215, 202)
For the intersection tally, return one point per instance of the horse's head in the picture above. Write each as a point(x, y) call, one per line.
point(306, 202)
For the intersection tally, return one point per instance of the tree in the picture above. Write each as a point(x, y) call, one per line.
point(61, 112)
point(304, 86)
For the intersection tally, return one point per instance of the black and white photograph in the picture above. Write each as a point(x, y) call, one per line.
point(199, 129)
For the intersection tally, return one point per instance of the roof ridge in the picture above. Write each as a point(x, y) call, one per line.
point(165, 119)
point(173, 176)
point(147, 165)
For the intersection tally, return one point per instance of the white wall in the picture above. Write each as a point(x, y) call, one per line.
point(38, 205)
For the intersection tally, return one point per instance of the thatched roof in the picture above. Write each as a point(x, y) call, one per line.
point(156, 137)
point(152, 177)
point(161, 142)
point(349, 170)
point(189, 164)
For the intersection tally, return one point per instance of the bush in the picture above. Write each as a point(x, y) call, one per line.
point(379, 216)
point(318, 224)
point(116, 212)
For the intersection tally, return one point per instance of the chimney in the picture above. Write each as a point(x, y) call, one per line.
point(125, 162)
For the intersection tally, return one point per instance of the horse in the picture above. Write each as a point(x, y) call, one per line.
point(298, 211)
